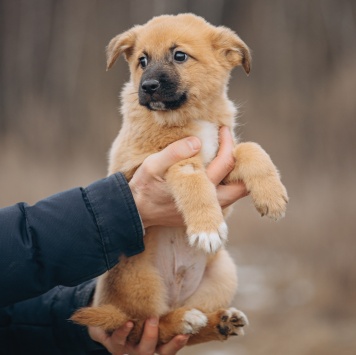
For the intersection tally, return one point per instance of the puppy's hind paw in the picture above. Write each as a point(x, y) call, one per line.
point(232, 322)
point(210, 242)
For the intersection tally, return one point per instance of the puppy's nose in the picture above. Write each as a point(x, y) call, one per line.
point(150, 86)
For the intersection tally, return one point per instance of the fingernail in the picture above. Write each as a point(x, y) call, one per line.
point(129, 325)
point(194, 143)
point(153, 321)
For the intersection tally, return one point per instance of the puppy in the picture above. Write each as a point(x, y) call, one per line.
point(180, 67)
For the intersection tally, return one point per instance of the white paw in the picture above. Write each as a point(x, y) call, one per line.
point(223, 231)
point(210, 242)
point(193, 321)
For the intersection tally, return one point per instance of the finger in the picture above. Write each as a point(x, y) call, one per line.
point(100, 336)
point(97, 334)
point(172, 154)
point(149, 338)
point(120, 335)
point(224, 161)
point(173, 346)
point(228, 194)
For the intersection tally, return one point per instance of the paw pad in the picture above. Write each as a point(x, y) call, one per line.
point(231, 322)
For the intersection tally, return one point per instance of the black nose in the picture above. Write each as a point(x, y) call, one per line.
point(150, 86)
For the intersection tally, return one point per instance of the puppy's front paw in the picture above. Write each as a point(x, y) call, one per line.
point(193, 321)
point(231, 322)
point(270, 198)
point(209, 241)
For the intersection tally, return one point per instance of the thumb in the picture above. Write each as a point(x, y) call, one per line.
point(182, 149)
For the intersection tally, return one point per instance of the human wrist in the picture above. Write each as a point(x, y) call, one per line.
point(145, 218)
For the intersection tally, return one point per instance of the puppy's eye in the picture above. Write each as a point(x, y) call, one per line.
point(143, 62)
point(180, 57)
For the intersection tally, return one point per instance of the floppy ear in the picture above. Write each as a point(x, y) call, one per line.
point(232, 48)
point(122, 43)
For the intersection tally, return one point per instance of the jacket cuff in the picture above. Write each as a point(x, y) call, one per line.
point(111, 202)
point(73, 338)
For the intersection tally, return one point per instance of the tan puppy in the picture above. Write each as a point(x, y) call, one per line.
point(180, 67)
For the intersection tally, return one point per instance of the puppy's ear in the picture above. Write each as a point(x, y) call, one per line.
point(232, 48)
point(122, 43)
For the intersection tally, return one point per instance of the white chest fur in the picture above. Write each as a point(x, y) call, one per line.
point(208, 133)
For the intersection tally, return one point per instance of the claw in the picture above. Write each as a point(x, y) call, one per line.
point(210, 242)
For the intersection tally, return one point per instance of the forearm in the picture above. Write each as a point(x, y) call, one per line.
point(40, 325)
point(67, 238)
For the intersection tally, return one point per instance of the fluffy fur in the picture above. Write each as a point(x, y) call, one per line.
point(180, 67)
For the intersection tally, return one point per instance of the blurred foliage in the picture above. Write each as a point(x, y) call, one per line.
point(58, 117)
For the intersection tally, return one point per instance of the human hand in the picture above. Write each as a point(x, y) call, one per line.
point(220, 167)
point(116, 343)
point(148, 186)
point(151, 194)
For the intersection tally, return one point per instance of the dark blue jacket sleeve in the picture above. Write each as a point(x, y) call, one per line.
point(40, 325)
point(67, 238)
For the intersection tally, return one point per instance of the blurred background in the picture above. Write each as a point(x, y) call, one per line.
point(58, 117)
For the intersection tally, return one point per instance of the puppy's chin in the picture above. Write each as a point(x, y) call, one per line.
point(167, 105)
point(156, 106)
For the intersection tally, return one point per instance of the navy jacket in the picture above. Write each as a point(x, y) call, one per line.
point(49, 255)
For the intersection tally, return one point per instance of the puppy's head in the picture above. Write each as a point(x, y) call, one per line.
point(175, 60)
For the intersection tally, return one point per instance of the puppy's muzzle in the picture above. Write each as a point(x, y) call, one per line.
point(150, 86)
point(160, 89)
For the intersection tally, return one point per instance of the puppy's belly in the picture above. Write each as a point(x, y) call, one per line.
point(181, 266)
